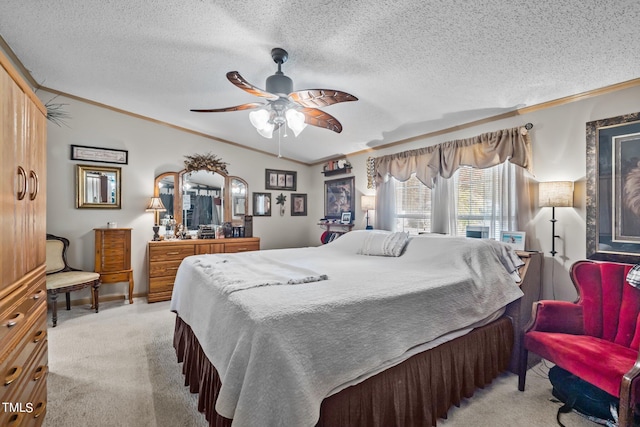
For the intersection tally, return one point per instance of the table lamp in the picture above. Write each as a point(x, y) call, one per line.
point(368, 203)
point(156, 206)
point(555, 194)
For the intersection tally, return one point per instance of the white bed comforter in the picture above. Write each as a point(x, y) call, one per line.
point(280, 349)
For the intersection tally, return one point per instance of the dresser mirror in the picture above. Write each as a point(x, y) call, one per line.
point(205, 197)
point(97, 187)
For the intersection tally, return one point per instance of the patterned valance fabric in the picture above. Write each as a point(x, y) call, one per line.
point(482, 151)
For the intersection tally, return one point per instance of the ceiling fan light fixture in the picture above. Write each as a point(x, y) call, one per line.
point(295, 121)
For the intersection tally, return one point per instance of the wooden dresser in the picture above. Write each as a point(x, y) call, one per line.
point(23, 296)
point(113, 256)
point(520, 310)
point(165, 258)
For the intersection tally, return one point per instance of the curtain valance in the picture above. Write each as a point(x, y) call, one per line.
point(482, 151)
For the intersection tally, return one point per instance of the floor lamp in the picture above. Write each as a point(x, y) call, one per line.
point(368, 203)
point(555, 194)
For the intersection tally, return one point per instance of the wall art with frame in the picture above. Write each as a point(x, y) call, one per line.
point(613, 189)
point(298, 204)
point(338, 197)
point(97, 154)
point(280, 180)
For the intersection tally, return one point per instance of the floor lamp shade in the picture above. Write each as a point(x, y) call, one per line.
point(555, 194)
point(368, 203)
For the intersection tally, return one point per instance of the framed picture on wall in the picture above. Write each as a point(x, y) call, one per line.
point(338, 197)
point(298, 204)
point(280, 180)
point(613, 189)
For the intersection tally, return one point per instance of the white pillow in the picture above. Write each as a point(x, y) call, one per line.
point(384, 244)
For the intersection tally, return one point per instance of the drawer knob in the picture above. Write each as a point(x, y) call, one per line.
point(39, 294)
point(14, 320)
point(39, 336)
point(40, 372)
point(39, 409)
point(15, 419)
point(173, 253)
point(14, 374)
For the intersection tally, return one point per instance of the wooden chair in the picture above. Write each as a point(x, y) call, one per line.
point(63, 278)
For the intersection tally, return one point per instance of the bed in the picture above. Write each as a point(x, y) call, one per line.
point(374, 328)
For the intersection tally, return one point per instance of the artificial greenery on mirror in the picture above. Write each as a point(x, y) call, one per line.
point(209, 162)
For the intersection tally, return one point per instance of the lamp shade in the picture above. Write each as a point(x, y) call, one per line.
point(555, 194)
point(368, 203)
point(155, 205)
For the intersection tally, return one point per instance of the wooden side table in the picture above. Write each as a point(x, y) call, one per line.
point(113, 256)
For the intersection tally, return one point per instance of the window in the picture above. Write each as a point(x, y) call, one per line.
point(483, 198)
point(413, 206)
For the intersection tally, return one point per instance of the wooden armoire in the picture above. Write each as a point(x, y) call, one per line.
point(23, 295)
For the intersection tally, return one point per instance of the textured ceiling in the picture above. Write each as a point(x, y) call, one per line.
point(416, 66)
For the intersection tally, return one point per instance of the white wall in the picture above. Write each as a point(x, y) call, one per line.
point(153, 148)
point(559, 154)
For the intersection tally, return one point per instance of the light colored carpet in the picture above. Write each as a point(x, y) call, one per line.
point(118, 368)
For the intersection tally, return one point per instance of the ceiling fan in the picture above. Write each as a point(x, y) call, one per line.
point(283, 106)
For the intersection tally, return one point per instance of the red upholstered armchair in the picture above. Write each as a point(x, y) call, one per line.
point(597, 337)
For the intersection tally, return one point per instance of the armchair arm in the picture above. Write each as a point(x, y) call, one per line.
point(626, 393)
point(556, 316)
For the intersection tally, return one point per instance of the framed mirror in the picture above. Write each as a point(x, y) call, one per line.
point(202, 197)
point(239, 201)
point(98, 187)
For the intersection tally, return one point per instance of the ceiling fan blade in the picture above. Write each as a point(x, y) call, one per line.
point(318, 98)
point(235, 78)
point(315, 117)
point(248, 106)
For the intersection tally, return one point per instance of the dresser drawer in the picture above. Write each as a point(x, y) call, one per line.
point(241, 247)
point(165, 253)
point(162, 269)
point(161, 284)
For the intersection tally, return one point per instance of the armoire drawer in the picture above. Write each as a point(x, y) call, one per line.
point(22, 396)
point(20, 360)
point(14, 320)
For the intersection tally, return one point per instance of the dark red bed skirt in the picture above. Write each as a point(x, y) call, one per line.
point(414, 393)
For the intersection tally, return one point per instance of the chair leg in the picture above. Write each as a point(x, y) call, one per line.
point(96, 291)
point(68, 298)
point(54, 308)
point(522, 368)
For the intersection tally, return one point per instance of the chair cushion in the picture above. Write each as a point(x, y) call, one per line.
point(54, 262)
point(595, 360)
point(70, 278)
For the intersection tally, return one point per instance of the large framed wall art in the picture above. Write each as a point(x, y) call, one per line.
point(613, 189)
